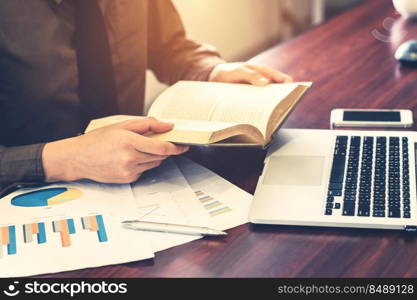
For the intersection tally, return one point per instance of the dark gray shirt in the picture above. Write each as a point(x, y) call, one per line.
point(39, 101)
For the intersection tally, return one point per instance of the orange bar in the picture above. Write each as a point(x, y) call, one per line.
point(5, 236)
point(35, 228)
point(93, 223)
point(65, 235)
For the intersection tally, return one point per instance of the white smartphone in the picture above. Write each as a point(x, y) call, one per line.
point(371, 118)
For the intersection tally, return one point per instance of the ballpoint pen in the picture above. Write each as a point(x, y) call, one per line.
point(171, 228)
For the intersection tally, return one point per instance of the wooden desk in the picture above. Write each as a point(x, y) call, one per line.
point(350, 69)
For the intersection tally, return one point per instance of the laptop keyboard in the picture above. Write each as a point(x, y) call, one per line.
point(370, 177)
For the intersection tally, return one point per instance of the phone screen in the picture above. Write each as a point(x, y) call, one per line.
point(372, 116)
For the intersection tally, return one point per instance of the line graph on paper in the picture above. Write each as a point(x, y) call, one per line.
point(163, 195)
point(154, 207)
point(149, 210)
point(163, 207)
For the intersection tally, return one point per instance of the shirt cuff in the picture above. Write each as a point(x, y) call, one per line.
point(21, 164)
point(201, 70)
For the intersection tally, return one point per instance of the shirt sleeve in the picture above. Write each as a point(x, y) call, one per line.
point(20, 165)
point(171, 56)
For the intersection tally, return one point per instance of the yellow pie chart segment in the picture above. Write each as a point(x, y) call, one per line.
point(69, 195)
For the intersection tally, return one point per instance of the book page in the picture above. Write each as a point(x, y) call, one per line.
point(221, 102)
point(207, 132)
point(106, 121)
point(197, 125)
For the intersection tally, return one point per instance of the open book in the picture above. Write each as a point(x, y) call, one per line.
point(207, 113)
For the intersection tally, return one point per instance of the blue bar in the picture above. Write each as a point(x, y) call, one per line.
point(11, 247)
point(41, 235)
point(102, 235)
point(71, 227)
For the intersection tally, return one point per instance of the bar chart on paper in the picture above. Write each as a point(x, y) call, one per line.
point(67, 244)
point(226, 205)
point(95, 224)
point(8, 240)
point(213, 207)
point(38, 233)
point(67, 226)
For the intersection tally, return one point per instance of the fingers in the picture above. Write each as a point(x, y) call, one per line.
point(145, 167)
point(140, 157)
point(133, 174)
point(154, 146)
point(247, 75)
point(271, 73)
point(139, 169)
point(147, 124)
point(255, 78)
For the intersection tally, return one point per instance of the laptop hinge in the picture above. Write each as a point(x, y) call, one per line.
point(410, 228)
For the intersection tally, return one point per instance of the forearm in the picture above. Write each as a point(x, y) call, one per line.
point(33, 164)
point(172, 56)
point(21, 164)
point(58, 161)
point(194, 63)
point(187, 60)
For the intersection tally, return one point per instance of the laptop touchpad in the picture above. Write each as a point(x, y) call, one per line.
point(294, 170)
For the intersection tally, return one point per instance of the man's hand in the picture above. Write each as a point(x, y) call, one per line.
point(117, 153)
point(247, 73)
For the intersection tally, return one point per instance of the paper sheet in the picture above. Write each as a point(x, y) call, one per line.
point(93, 197)
point(67, 226)
point(226, 205)
point(168, 194)
point(163, 195)
point(66, 232)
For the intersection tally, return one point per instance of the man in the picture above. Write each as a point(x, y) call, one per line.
point(65, 62)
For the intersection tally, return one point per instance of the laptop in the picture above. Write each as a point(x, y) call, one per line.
point(338, 178)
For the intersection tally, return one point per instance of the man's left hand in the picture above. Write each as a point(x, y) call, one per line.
point(240, 72)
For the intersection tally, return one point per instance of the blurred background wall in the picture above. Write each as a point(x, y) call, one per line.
point(242, 28)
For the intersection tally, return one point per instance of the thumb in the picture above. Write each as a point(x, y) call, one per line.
point(147, 124)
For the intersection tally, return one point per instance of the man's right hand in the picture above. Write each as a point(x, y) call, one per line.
point(116, 153)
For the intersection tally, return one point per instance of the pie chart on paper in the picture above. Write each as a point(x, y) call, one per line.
point(46, 197)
